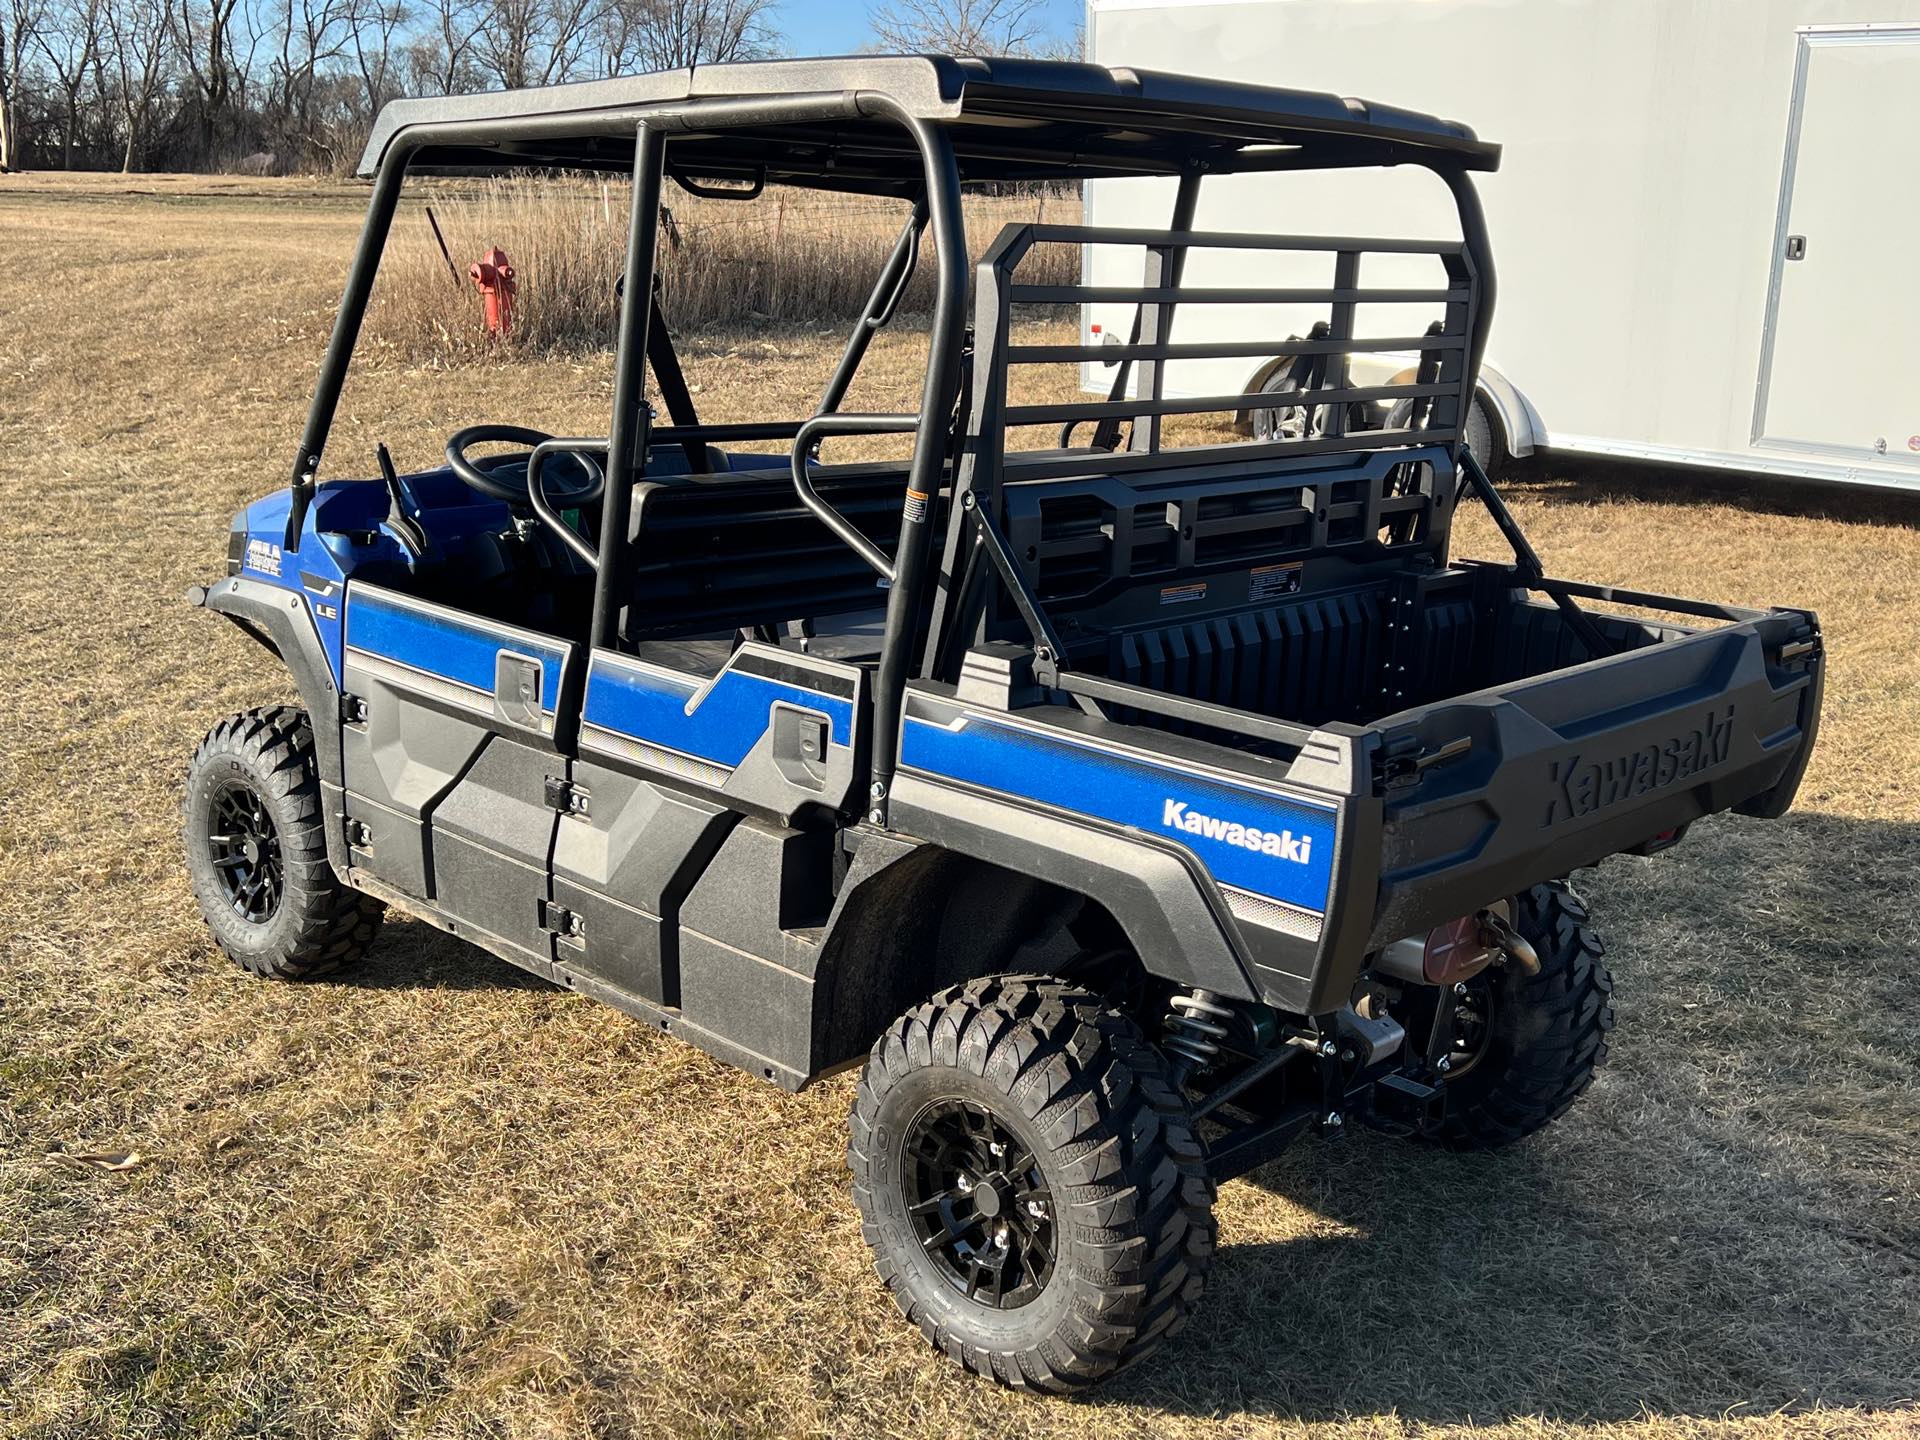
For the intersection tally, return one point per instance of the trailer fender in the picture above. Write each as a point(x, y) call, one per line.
point(281, 620)
point(1519, 423)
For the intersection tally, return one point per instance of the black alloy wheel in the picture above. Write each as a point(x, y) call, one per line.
point(981, 1207)
point(245, 849)
point(256, 850)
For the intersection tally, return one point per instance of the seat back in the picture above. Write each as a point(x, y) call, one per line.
point(731, 551)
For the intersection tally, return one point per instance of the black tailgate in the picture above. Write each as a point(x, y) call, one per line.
point(1566, 768)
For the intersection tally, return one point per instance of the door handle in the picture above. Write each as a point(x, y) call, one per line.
point(517, 689)
point(800, 741)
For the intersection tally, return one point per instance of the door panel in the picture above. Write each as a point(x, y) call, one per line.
point(623, 860)
point(773, 730)
point(491, 836)
point(440, 704)
point(480, 667)
point(1843, 350)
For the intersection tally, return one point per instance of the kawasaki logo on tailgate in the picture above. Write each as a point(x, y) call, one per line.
point(1583, 786)
point(1282, 843)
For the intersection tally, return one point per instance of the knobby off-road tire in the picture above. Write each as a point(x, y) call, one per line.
point(1546, 1033)
point(257, 852)
point(1128, 1232)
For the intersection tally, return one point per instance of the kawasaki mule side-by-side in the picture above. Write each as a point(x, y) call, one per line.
point(1128, 807)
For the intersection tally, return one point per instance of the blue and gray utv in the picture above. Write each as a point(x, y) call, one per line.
point(1127, 796)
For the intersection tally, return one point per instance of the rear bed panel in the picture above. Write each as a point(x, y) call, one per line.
point(1569, 767)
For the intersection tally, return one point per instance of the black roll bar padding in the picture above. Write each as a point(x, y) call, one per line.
point(537, 491)
point(627, 435)
point(1186, 198)
point(1478, 250)
point(932, 442)
point(814, 430)
point(888, 289)
point(1528, 558)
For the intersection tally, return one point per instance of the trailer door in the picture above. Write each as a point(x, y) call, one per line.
point(1840, 372)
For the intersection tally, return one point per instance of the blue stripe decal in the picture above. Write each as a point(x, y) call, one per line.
point(457, 650)
point(1272, 845)
point(722, 726)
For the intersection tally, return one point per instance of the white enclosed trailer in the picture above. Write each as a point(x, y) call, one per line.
point(1706, 221)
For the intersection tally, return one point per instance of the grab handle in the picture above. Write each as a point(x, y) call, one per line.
point(803, 443)
point(537, 492)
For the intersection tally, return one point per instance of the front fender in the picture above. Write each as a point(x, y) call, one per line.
point(283, 621)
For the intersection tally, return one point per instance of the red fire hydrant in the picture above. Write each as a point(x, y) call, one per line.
point(493, 274)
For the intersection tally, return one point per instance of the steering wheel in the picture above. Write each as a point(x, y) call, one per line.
point(504, 477)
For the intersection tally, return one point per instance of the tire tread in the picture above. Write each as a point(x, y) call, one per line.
point(334, 925)
point(1120, 1144)
point(1568, 1008)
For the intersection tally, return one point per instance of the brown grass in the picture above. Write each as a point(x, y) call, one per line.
point(790, 257)
point(440, 1199)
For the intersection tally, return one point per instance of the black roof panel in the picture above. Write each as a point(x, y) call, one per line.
point(1011, 119)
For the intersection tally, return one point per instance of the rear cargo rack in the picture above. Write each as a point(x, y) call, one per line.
point(1070, 529)
point(1437, 396)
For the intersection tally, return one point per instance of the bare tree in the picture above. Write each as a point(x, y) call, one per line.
point(20, 24)
point(966, 27)
point(535, 42)
point(375, 27)
point(640, 35)
point(70, 39)
point(137, 35)
point(311, 34)
point(441, 62)
point(207, 37)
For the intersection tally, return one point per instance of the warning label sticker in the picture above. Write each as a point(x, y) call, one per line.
point(1268, 582)
point(1181, 594)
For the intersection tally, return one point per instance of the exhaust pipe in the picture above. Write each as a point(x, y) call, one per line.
point(1515, 945)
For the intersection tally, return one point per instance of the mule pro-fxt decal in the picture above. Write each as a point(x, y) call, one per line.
point(1279, 847)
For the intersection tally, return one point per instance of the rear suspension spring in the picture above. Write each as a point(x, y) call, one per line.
point(1192, 1030)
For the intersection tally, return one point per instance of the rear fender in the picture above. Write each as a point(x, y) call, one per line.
point(912, 918)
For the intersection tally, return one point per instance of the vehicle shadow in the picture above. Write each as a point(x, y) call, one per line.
point(409, 954)
point(1454, 1290)
point(1725, 1224)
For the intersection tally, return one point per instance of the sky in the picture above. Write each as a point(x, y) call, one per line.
point(842, 27)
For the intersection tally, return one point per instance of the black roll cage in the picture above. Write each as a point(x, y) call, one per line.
point(596, 138)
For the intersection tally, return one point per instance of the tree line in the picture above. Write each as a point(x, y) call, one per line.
point(276, 86)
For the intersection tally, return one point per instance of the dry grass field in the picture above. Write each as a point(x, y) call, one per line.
point(439, 1198)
